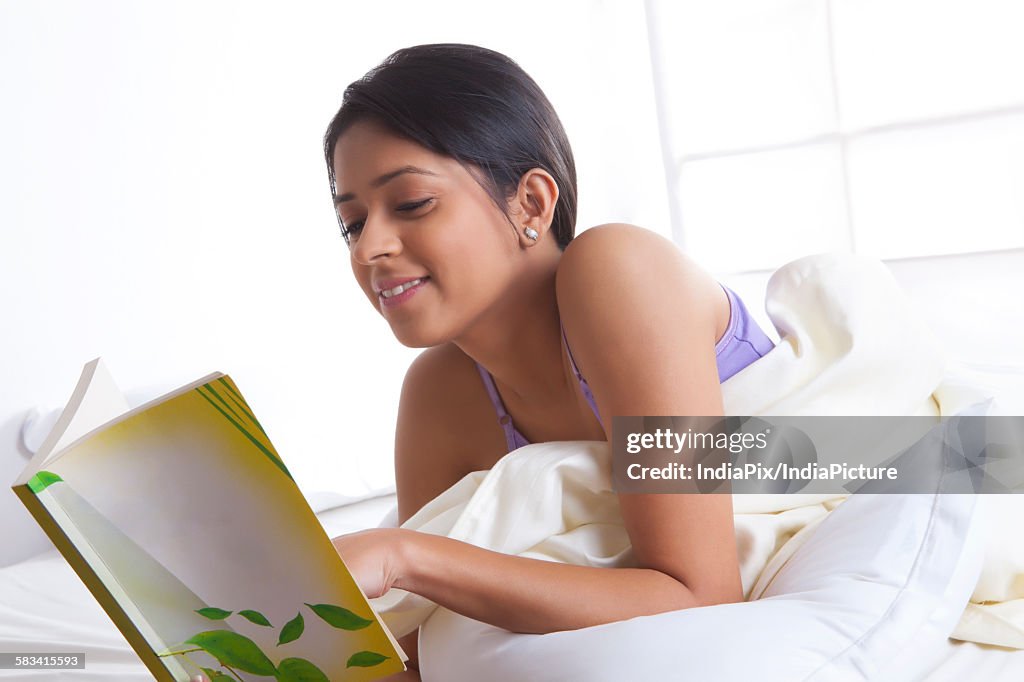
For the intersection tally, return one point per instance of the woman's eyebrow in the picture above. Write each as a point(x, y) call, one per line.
point(384, 179)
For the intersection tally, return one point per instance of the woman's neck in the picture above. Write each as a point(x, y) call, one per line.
point(519, 340)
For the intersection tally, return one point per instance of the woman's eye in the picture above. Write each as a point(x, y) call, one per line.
point(354, 228)
point(414, 205)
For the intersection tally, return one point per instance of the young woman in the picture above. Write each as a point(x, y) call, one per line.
point(455, 190)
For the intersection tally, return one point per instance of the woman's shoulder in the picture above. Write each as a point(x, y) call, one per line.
point(611, 232)
point(632, 266)
point(443, 370)
point(438, 362)
point(446, 426)
point(607, 233)
point(642, 318)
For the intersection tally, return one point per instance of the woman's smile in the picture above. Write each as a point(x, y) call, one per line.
point(398, 295)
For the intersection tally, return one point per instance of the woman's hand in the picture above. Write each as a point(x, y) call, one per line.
point(375, 557)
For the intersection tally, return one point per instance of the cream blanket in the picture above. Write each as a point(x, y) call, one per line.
point(851, 344)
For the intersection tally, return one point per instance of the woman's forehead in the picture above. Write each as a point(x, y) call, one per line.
point(365, 143)
point(370, 147)
point(368, 152)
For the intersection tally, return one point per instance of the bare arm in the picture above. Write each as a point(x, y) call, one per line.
point(530, 595)
point(645, 340)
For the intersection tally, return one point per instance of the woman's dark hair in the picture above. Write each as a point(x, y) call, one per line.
point(471, 104)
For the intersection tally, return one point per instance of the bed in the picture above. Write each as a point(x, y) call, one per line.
point(45, 608)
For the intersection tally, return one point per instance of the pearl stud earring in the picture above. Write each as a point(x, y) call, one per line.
point(531, 233)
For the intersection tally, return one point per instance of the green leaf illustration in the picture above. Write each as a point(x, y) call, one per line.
point(215, 675)
point(255, 617)
point(42, 480)
point(292, 630)
point(299, 670)
point(365, 659)
point(234, 650)
point(252, 439)
point(339, 617)
point(214, 613)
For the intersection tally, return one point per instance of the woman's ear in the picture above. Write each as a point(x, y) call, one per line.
point(533, 206)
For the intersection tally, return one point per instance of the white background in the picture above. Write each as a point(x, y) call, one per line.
point(164, 200)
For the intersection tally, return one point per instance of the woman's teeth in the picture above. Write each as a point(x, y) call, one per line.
point(388, 293)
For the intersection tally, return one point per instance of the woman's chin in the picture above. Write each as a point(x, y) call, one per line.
point(416, 338)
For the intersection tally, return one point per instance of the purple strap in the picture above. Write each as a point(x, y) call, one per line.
point(513, 438)
point(583, 382)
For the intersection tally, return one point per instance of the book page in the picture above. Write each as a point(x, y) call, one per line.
point(99, 544)
point(95, 401)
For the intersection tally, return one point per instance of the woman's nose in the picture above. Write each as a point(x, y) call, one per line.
point(378, 239)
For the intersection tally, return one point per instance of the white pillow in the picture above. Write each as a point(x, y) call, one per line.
point(874, 590)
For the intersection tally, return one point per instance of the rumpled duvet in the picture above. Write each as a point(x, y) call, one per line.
point(850, 344)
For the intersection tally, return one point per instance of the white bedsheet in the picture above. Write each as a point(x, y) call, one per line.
point(45, 607)
point(971, 661)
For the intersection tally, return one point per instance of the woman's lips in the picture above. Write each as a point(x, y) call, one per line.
point(399, 299)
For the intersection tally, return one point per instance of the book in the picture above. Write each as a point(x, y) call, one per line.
point(185, 524)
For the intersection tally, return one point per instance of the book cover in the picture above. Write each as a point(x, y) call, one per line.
point(185, 524)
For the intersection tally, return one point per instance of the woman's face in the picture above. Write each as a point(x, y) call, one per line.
point(413, 214)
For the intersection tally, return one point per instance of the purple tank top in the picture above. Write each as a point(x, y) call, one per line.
point(742, 343)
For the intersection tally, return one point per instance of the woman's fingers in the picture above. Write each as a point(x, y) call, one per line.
point(372, 557)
